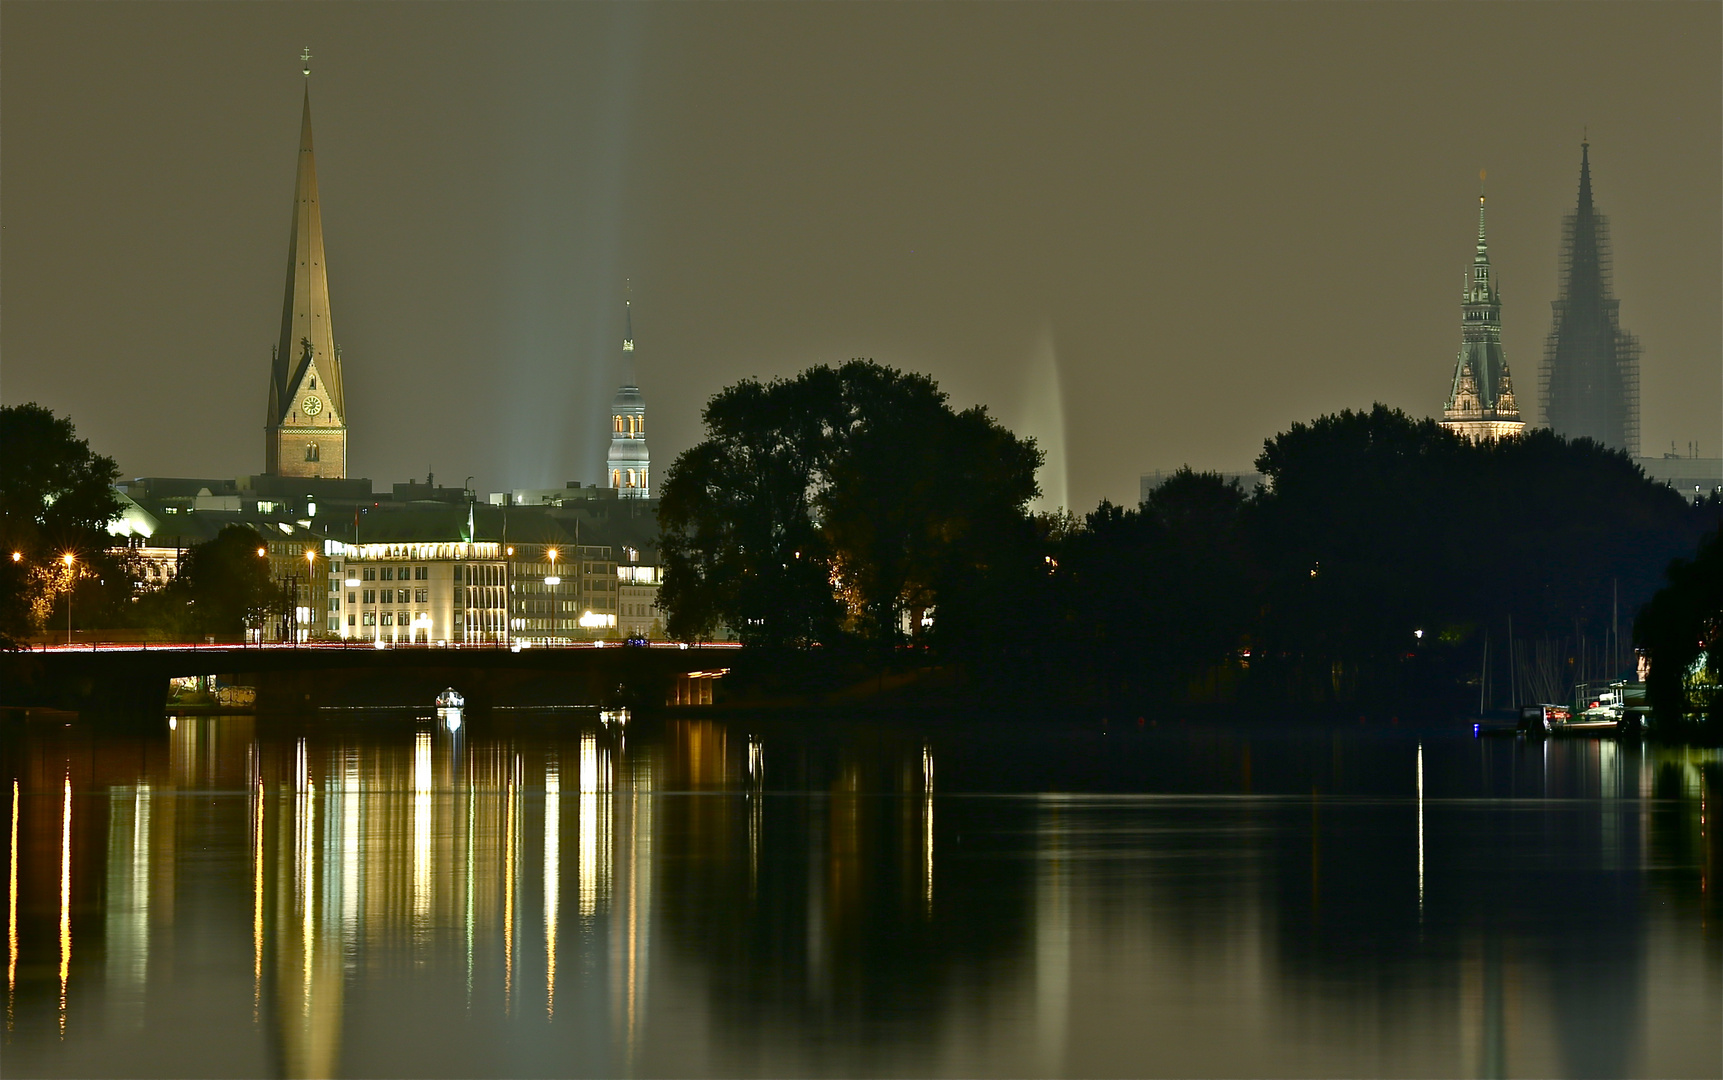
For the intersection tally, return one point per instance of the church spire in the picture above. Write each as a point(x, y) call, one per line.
point(1591, 365)
point(306, 424)
point(629, 462)
point(1481, 401)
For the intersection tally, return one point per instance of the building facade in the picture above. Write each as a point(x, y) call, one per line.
point(305, 431)
point(1590, 378)
point(449, 592)
point(1481, 401)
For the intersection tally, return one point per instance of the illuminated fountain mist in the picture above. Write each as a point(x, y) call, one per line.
point(1041, 413)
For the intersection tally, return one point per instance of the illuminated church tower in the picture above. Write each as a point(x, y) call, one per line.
point(1481, 398)
point(630, 464)
point(305, 433)
point(1591, 365)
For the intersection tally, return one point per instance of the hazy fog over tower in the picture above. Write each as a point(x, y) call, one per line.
point(306, 430)
point(1591, 366)
point(1481, 398)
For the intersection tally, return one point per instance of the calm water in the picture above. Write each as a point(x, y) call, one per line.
point(540, 895)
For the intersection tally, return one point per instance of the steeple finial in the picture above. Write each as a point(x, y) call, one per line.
point(305, 58)
point(628, 316)
point(1483, 256)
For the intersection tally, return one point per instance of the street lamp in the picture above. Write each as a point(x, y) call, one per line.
point(310, 587)
point(68, 558)
point(552, 578)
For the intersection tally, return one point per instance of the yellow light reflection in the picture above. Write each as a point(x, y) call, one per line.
point(509, 888)
point(257, 905)
point(552, 879)
point(927, 829)
point(422, 827)
point(65, 897)
point(12, 913)
point(594, 824)
point(1420, 828)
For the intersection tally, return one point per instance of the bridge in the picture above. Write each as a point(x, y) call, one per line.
point(296, 678)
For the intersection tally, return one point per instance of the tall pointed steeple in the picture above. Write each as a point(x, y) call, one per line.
point(629, 463)
point(1590, 373)
point(306, 428)
point(1481, 401)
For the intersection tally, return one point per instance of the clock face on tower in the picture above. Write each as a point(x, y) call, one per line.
point(311, 406)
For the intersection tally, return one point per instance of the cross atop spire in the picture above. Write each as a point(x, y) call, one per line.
point(628, 317)
point(305, 58)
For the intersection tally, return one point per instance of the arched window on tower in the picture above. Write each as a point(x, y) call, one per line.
point(616, 478)
point(311, 451)
point(616, 424)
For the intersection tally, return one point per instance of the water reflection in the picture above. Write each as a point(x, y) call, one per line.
point(758, 899)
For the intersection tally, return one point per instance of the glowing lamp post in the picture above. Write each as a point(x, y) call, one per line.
point(69, 559)
point(310, 567)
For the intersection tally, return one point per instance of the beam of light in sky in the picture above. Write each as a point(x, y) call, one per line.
point(564, 335)
point(1042, 414)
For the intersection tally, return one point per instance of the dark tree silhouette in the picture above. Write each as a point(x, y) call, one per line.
point(1682, 624)
point(842, 502)
point(56, 497)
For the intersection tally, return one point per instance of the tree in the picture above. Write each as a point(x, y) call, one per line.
point(1681, 631)
point(222, 588)
point(56, 497)
point(844, 501)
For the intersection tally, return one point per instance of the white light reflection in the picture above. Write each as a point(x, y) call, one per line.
point(633, 943)
point(1052, 940)
point(351, 803)
point(552, 878)
point(1420, 828)
point(128, 900)
point(756, 811)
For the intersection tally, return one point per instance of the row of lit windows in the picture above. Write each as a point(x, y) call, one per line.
point(408, 573)
point(404, 618)
point(392, 596)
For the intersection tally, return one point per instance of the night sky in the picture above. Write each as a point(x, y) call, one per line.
point(1148, 234)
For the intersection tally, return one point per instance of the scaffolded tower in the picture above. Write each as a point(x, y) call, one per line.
point(1590, 378)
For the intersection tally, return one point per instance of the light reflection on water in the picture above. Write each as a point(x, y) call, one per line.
point(772, 898)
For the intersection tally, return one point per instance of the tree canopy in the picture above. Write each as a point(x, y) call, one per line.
point(847, 501)
point(1681, 631)
point(223, 587)
point(56, 497)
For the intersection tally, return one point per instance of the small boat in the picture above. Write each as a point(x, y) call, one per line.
point(450, 699)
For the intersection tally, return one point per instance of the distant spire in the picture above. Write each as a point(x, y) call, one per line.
point(1481, 260)
point(1585, 208)
point(305, 58)
point(1591, 365)
point(306, 398)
